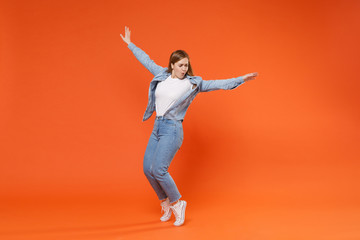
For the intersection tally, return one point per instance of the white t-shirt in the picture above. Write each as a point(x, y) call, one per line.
point(168, 92)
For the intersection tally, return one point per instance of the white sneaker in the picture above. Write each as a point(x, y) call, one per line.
point(179, 212)
point(165, 207)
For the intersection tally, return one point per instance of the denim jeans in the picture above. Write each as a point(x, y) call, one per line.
point(165, 140)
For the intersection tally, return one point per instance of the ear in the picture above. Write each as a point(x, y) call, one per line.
point(172, 66)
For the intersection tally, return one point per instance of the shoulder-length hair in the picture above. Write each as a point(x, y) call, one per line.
point(177, 56)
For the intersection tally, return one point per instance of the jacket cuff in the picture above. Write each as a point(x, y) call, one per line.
point(131, 46)
point(241, 80)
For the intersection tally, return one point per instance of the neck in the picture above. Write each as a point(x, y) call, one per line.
point(173, 76)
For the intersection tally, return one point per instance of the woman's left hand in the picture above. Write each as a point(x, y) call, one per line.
point(250, 76)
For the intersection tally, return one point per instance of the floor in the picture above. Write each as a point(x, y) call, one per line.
point(216, 218)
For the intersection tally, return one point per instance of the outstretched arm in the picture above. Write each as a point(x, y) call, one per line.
point(226, 84)
point(143, 58)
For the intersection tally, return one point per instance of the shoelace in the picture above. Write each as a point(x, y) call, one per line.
point(163, 208)
point(176, 213)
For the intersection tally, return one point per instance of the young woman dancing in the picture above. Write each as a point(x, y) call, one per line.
point(171, 91)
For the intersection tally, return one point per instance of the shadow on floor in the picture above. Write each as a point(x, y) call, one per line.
point(110, 230)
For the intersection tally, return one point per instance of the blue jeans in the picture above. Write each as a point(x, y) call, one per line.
point(165, 140)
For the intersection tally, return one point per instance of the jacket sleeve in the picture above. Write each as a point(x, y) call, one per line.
point(145, 60)
point(226, 84)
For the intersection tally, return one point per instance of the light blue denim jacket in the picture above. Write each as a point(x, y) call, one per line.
point(178, 109)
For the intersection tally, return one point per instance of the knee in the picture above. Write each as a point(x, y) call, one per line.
point(159, 173)
point(147, 171)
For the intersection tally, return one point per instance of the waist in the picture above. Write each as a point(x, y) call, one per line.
point(159, 118)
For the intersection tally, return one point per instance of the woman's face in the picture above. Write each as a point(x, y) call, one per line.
point(180, 68)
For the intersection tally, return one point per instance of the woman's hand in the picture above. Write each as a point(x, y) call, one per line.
point(249, 76)
point(127, 35)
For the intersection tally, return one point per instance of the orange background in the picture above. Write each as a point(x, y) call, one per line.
point(72, 97)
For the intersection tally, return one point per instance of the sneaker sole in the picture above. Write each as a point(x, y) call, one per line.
point(165, 219)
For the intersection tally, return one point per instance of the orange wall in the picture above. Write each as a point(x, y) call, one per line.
point(72, 96)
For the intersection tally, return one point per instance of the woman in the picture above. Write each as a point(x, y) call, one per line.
point(171, 91)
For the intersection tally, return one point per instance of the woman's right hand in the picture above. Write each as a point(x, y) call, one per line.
point(127, 35)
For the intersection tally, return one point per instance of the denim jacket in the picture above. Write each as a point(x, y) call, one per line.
point(178, 109)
